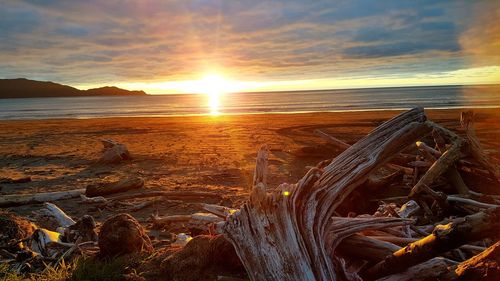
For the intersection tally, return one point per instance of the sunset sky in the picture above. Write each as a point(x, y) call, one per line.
point(163, 46)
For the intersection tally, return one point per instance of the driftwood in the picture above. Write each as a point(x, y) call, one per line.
point(442, 164)
point(170, 195)
point(114, 187)
point(24, 199)
point(200, 220)
point(289, 234)
point(367, 248)
point(429, 270)
point(444, 238)
point(60, 216)
point(17, 180)
point(113, 152)
point(467, 121)
point(483, 266)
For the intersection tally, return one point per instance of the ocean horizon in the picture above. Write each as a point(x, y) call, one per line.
point(366, 99)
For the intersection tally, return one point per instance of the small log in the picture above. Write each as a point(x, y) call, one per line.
point(92, 200)
point(429, 270)
point(170, 195)
point(114, 187)
point(24, 199)
point(483, 266)
point(467, 121)
point(113, 152)
point(18, 180)
point(196, 219)
point(218, 210)
point(444, 238)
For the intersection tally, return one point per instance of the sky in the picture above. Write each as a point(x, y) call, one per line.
point(167, 46)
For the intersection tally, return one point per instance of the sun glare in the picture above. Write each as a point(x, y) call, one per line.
point(214, 86)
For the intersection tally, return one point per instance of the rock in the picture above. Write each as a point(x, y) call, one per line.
point(198, 259)
point(122, 234)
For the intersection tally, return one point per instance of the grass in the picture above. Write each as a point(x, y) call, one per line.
point(88, 269)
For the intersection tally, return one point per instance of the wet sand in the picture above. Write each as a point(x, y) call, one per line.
point(204, 153)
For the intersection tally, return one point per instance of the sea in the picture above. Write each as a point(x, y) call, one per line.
point(478, 96)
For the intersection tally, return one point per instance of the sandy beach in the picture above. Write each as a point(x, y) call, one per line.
point(203, 153)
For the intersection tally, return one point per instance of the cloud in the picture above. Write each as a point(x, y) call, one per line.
point(104, 42)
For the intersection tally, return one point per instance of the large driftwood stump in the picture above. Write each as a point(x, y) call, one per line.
point(289, 234)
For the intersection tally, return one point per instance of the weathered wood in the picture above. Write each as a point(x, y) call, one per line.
point(61, 217)
point(283, 235)
point(331, 139)
point(367, 248)
point(198, 219)
point(170, 195)
point(24, 199)
point(458, 232)
point(483, 266)
point(426, 271)
point(467, 121)
point(114, 187)
point(447, 159)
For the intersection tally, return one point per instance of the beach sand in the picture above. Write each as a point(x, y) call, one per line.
point(203, 153)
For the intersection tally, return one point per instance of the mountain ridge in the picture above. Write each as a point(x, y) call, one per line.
point(26, 88)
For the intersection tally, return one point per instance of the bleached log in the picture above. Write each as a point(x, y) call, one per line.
point(170, 195)
point(113, 152)
point(286, 235)
point(114, 187)
point(218, 210)
point(61, 217)
point(467, 121)
point(24, 199)
point(196, 219)
point(92, 200)
point(444, 238)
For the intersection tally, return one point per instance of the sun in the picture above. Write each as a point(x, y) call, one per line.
point(214, 86)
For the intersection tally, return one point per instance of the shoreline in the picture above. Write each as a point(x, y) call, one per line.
point(211, 115)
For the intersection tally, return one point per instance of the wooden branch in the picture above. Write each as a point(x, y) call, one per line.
point(444, 238)
point(170, 195)
point(483, 266)
point(283, 235)
point(114, 187)
point(429, 270)
point(372, 249)
point(331, 139)
point(444, 162)
point(24, 199)
point(467, 121)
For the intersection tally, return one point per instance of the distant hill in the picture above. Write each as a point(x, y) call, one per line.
point(25, 88)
